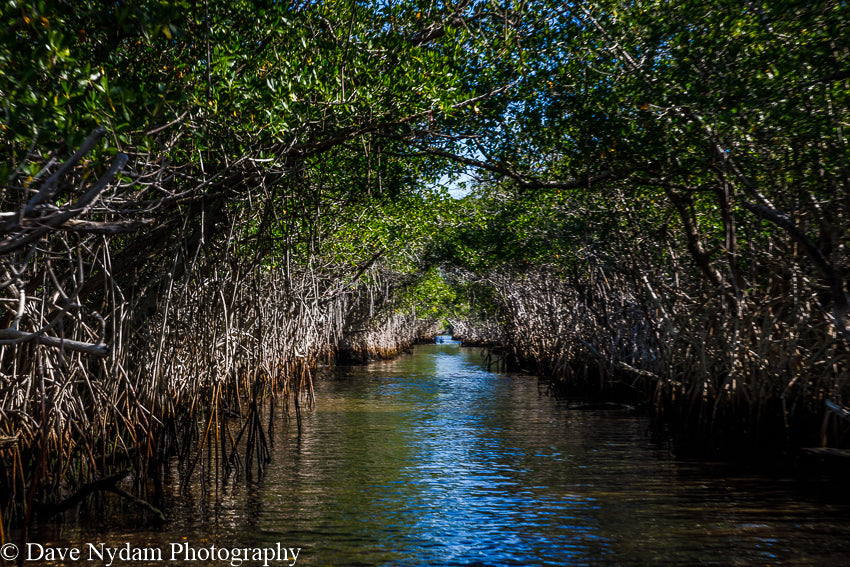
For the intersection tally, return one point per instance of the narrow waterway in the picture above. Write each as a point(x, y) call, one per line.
point(432, 460)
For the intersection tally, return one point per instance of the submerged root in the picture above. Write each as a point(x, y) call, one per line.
point(724, 377)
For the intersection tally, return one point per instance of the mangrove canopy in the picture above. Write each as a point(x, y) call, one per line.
point(202, 201)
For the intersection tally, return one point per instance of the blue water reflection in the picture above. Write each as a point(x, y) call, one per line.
point(444, 463)
point(431, 460)
point(477, 502)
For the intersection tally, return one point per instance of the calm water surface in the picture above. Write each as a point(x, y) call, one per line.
point(431, 460)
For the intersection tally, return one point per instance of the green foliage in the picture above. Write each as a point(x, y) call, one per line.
point(336, 103)
point(323, 99)
point(693, 113)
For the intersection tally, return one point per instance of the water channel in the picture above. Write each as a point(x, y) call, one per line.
point(430, 459)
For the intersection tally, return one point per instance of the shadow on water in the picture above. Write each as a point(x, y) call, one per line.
point(431, 460)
